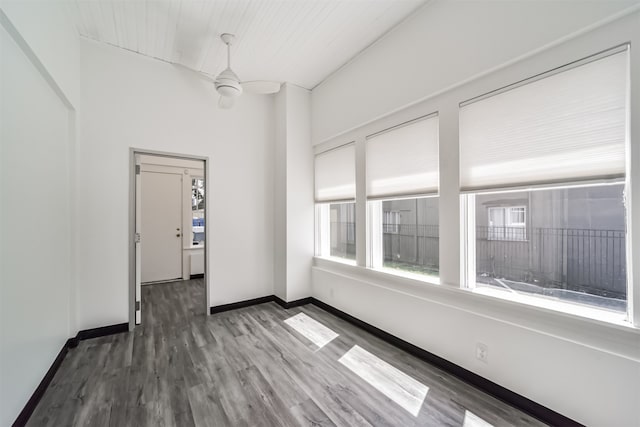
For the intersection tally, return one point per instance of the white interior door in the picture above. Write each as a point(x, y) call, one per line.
point(161, 226)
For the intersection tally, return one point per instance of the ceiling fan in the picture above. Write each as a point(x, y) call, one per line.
point(229, 86)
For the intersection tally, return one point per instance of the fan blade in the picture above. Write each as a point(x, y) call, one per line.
point(261, 87)
point(226, 102)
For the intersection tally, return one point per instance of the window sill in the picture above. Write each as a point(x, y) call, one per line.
point(392, 277)
point(602, 315)
point(338, 260)
point(433, 280)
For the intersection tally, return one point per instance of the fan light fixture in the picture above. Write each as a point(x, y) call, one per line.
point(227, 83)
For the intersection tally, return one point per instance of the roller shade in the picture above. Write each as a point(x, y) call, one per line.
point(403, 160)
point(335, 174)
point(567, 126)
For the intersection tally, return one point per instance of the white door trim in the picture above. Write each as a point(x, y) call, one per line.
point(133, 259)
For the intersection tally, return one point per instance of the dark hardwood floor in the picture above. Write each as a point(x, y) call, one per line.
point(254, 366)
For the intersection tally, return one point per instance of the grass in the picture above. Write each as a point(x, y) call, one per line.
point(412, 268)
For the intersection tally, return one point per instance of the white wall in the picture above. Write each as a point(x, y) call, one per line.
point(294, 194)
point(280, 197)
point(582, 381)
point(300, 203)
point(585, 369)
point(134, 101)
point(36, 291)
point(47, 28)
point(442, 45)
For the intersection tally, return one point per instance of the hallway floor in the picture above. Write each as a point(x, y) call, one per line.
point(256, 366)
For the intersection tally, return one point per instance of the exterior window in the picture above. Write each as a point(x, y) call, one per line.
point(197, 210)
point(506, 223)
point(343, 230)
point(402, 207)
point(410, 239)
point(563, 135)
point(336, 230)
point(335, 192)
point(391, 222)
point(576, 251)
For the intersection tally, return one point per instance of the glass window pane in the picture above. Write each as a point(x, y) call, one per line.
point(197, 210)
point(567, 244)
point(411, 235)
point(342, 226)
point(516, 216)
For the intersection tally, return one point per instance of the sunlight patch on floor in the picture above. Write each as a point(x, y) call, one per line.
point(390, 381)
point(472, 420)
point(311, 329)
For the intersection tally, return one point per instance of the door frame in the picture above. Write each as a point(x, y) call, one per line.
point(132, 224)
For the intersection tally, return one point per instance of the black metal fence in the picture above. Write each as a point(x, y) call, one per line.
point(583, 260)
point(412, 244)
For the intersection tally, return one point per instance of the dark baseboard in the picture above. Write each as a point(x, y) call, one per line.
point(102, 331)
point(196, 276)
point(33, 401)
point(255, 301)
point(240, 304)
point(292, 304)
point(71, 343)
point(528, 406)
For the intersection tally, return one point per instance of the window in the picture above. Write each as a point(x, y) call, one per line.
point(402, 187)
point(197, 210)
point(576, 251)
point(409, 239)
point(391, 221)
point(343, 230)
point(562, 136)
point(506, 223)
point(335, 193)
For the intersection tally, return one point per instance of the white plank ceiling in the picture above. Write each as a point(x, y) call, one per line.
point(296, 41)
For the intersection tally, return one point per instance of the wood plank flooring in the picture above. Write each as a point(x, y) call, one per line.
point(248, 367)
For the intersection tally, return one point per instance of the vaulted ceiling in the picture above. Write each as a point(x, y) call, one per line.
point(296, 41)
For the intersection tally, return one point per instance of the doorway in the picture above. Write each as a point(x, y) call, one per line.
point(168, 234)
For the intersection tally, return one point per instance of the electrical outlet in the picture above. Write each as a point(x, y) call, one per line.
point(482, 352)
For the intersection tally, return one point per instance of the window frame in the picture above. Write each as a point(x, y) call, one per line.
point(467, 194)
point(468, 259)
point(323, 232)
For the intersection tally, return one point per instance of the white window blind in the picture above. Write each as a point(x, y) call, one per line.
point(335, 174)
point(567, 126)
point(403, 160)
